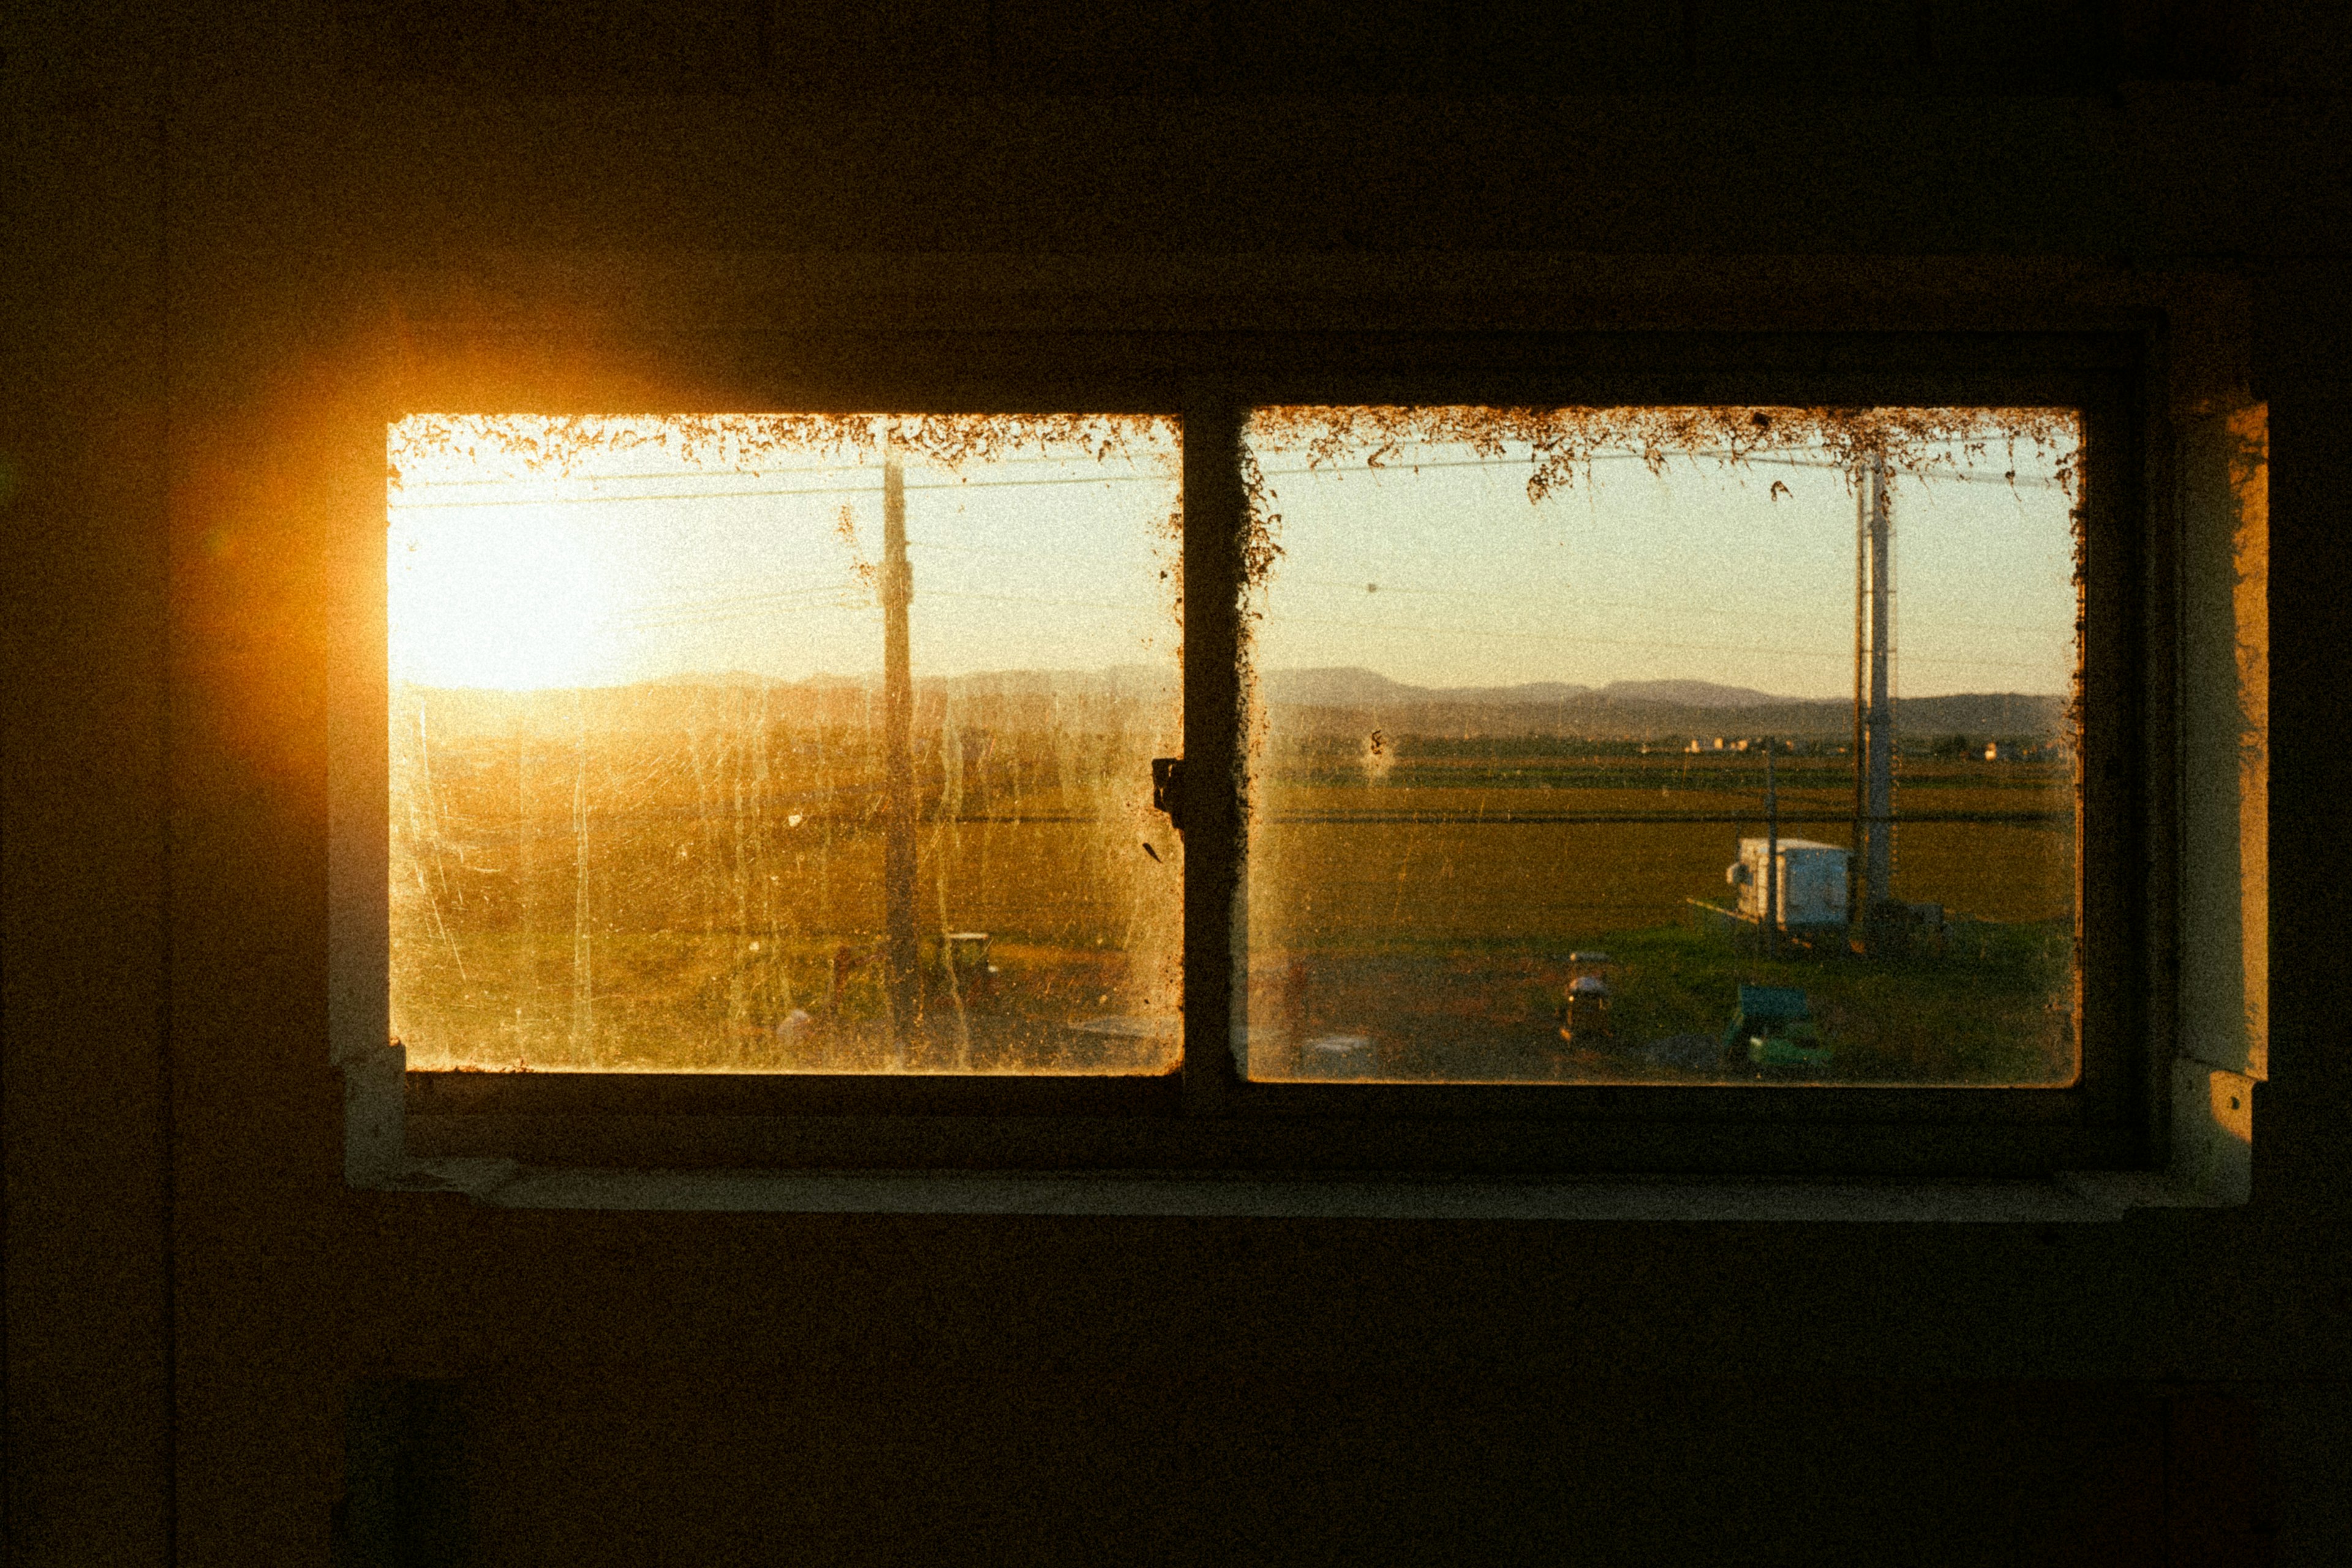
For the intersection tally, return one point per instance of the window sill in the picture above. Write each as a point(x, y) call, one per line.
point(2072, 1197)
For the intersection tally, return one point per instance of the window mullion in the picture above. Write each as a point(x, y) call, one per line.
point(1216, 522)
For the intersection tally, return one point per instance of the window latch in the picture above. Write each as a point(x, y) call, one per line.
point(1168, 789)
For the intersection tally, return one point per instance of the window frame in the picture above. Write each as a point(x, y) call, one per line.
point(1204, 1117)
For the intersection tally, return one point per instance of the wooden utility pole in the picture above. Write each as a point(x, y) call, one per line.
point(903, 955)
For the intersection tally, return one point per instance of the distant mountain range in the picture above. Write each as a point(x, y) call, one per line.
point(1345, 701)
point(1689, 694)
point(1356, 686)
point(1120, 681)
point(1342, 700)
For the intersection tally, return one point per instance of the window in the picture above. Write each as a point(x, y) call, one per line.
point(784, 745)
point(1446, 763)
point(1541, 693)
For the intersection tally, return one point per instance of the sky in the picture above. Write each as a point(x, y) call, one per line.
point(1434, 570)
point(636, 568)
point(1451, 576)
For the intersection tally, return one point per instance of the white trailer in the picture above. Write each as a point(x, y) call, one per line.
point(1812, 877)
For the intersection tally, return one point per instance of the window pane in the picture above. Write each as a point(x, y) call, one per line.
point(1540, 695)
point(664, 797)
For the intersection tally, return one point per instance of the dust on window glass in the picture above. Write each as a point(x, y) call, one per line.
point(792, 744)
point(1662, 745)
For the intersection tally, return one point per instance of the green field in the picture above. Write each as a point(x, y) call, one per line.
point(694, 883)
point(1432, 909)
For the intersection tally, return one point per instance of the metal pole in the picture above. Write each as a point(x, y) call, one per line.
point(1880, 875)
point(527, 990)
point(1771, 857)
point(1857, 892)
point(903, 955)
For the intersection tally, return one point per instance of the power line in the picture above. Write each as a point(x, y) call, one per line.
point(1317, 470)
point(764, 595)
point(875, 490)
point(1051, 604)
point(761, 472)
point(750, 608)
point(1279, 578)
point(1722, 453)
point(714, 618)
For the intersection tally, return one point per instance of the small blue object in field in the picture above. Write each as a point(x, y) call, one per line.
point(1774, 1027)
point(1772, 1004)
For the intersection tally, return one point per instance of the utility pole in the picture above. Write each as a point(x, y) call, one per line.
point(903, 955)
point(1879, 723)
point(1857, 892)
point(1771, 857)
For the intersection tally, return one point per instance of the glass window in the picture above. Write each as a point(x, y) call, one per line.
point(784, 744)
point(1662, 746)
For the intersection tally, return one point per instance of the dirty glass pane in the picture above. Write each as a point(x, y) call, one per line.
point(784, 745)
point(1572, 732)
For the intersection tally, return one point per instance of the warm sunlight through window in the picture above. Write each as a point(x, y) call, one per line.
point(789, 743)
point(519, 597)
point(1662, 746)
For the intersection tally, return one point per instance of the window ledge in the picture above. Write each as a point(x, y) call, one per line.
point(2072, 1197)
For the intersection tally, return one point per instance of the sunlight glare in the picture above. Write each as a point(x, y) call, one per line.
point(518, 600)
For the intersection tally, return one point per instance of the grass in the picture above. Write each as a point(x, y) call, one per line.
point(1978, 1013)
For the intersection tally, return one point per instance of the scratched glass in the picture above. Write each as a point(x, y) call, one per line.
point(783, 745)
point(1696, 746)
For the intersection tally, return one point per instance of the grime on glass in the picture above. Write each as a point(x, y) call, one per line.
point(1631, 745)
point(786, 744)
point(1662, 746)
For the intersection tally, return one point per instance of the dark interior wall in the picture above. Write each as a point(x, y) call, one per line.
point(213, 220)
point(82, 970)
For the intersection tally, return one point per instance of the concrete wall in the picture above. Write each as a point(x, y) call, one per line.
point(217, 221)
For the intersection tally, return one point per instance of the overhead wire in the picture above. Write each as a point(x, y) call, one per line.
point(1314, 470)
point(665, 615)
point(872, 490)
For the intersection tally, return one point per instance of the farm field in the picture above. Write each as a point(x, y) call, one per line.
point(1982, 1011)
point(693, 880)
point(1419, 919)
point(693, 883)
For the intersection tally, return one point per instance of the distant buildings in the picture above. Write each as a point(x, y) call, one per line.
point(1949, 748)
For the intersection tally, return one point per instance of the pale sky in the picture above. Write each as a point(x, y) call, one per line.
point(1044, 561)
point(638, 565)
point(1451, 576)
